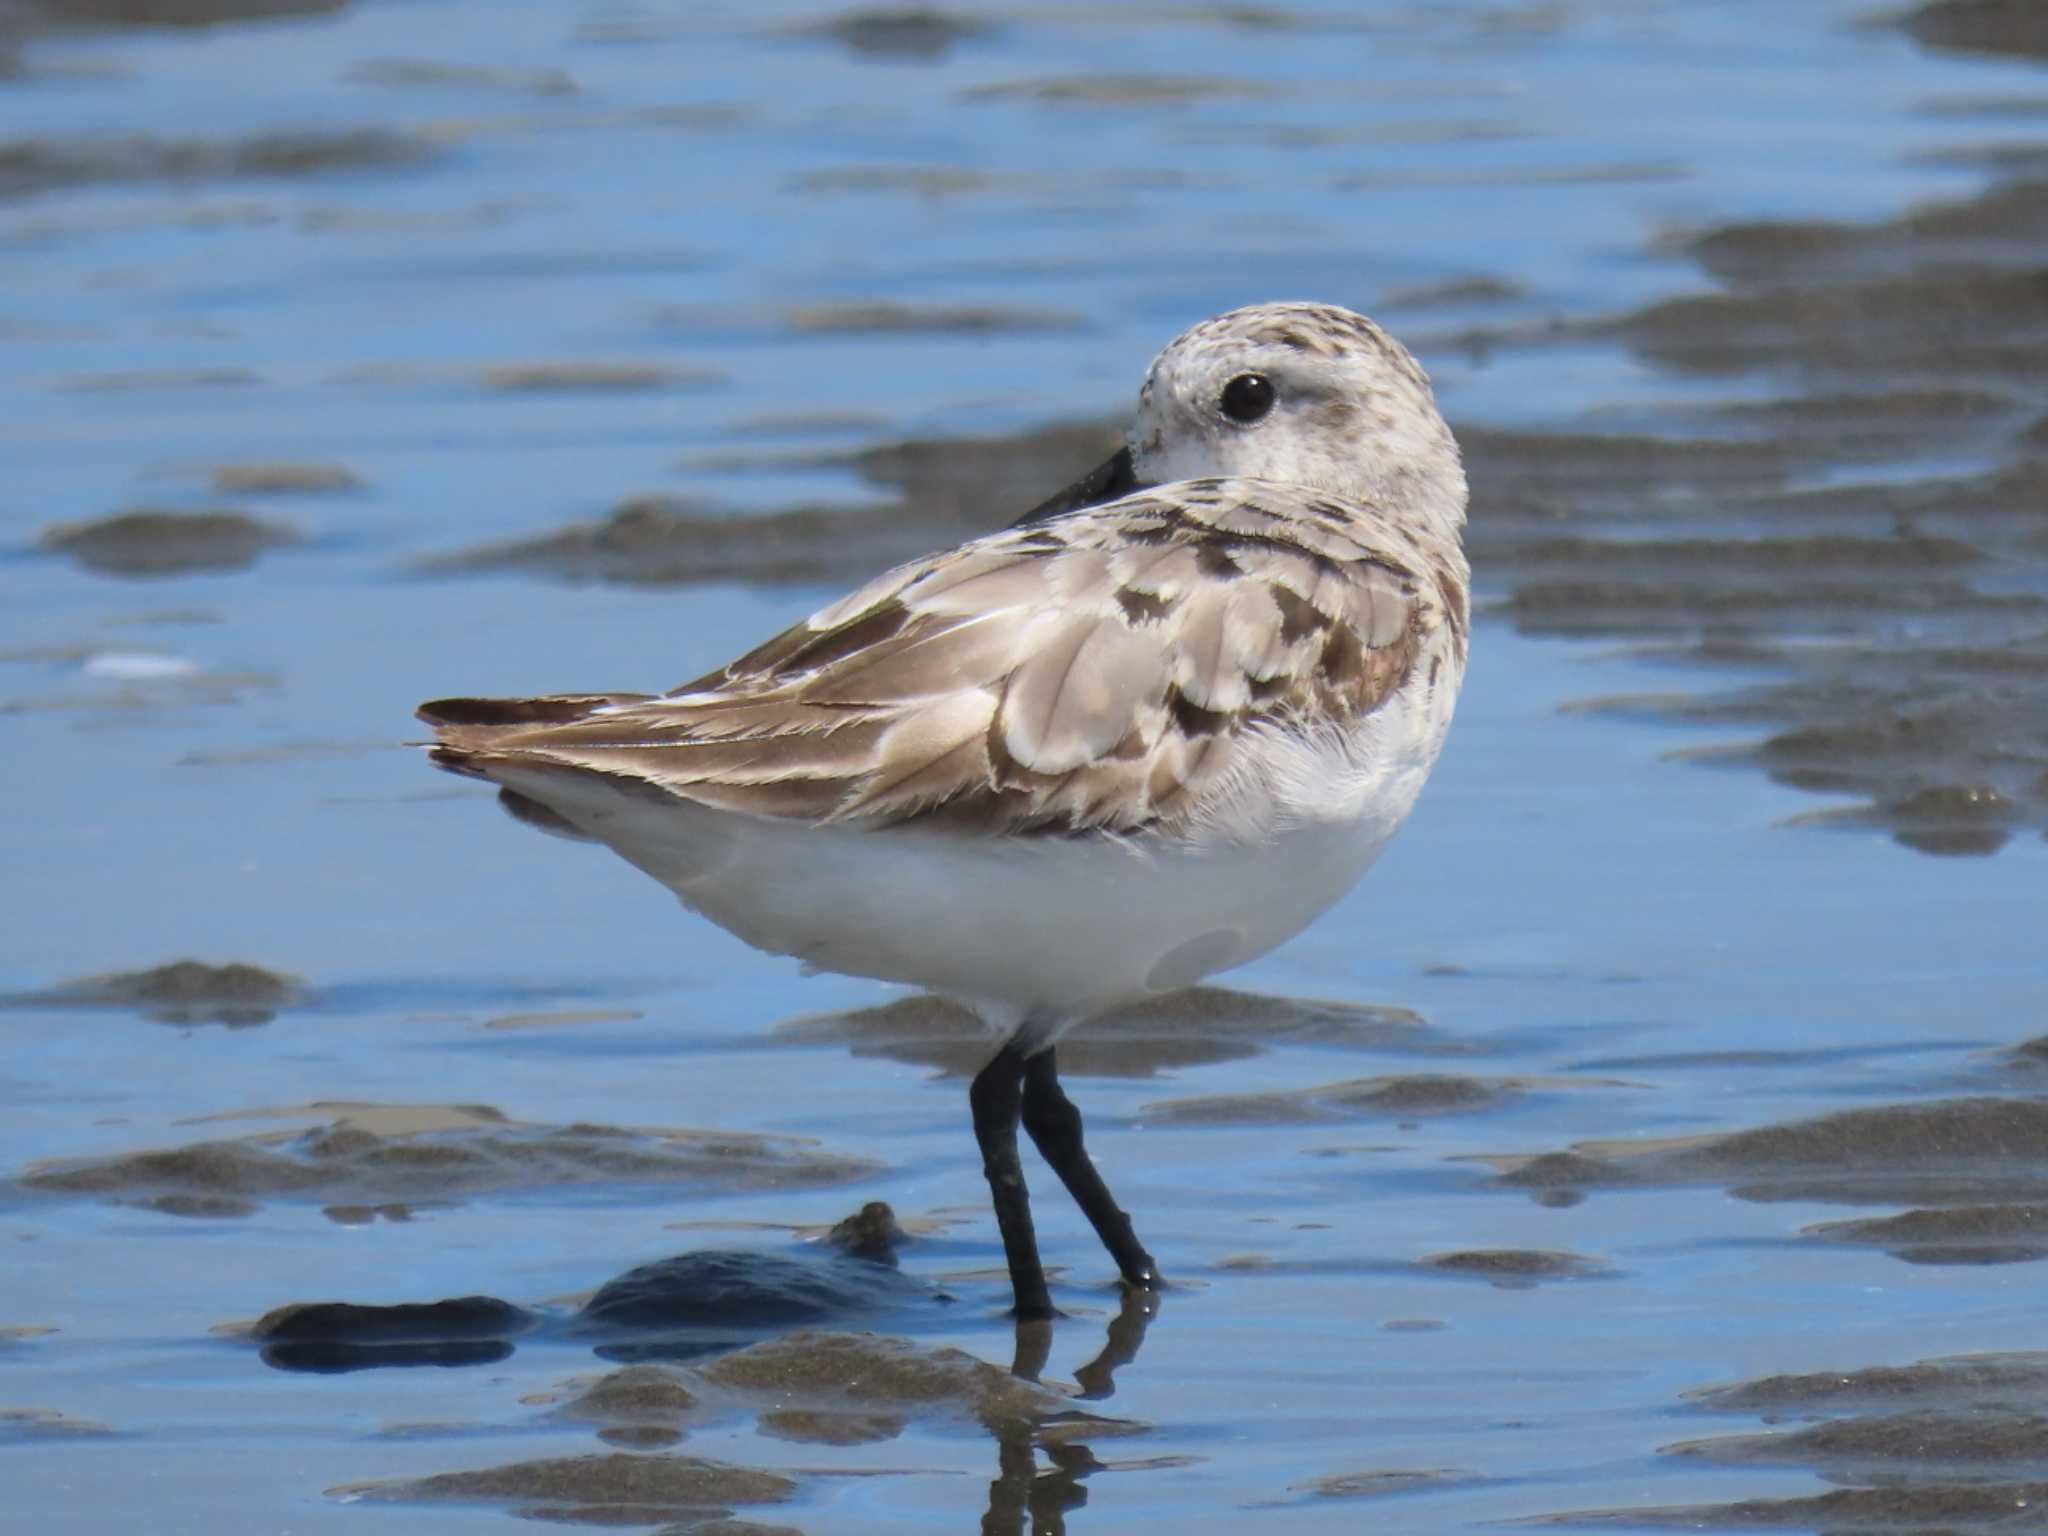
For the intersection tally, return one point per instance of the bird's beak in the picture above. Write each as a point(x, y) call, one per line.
point(1112, 478)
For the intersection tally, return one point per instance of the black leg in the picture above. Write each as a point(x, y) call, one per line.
point(996, 1096)
point(1055, 1125)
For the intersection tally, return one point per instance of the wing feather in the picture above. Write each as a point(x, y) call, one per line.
point(924, 659)
point(1098, 671)
point(925, 757)
point(1072, 699)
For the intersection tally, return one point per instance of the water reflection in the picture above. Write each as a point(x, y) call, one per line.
point(812, 1387)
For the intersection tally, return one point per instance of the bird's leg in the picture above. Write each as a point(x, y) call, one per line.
point(1055, 1125)
point(996, 1096)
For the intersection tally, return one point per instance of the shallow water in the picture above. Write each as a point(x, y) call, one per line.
point(1632, 1071)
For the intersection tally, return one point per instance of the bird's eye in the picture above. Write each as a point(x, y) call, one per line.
point(1247, 398)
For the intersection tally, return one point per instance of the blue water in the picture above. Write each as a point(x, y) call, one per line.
point(1567, 892)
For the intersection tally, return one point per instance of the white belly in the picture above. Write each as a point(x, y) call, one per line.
point(1049, 927)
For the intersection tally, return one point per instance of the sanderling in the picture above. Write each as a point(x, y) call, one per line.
point(1148, 732)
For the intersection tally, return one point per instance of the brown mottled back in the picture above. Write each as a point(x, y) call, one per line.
point(1098, 672)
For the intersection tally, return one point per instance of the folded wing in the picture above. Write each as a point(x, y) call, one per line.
point(1097, 672)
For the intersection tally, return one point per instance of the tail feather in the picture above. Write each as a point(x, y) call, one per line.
point(550, 709)
point(460, 760)
point(470, 731)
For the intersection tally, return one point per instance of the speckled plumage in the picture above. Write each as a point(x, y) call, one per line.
point(1104, 671)
point(1145, 734)
point(1117, 669)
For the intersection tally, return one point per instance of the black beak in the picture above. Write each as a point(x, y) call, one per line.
point(1106, 482)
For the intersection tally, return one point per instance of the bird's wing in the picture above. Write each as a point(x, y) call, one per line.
point(1098, 671)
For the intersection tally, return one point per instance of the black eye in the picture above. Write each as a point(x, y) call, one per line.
point(1247, 398)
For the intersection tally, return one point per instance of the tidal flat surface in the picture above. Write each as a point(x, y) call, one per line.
point(1655, 1140)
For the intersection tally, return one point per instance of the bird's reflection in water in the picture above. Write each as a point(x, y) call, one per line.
point(1126, 1335)
point(1024, 1498)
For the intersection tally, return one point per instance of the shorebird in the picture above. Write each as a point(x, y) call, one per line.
point(1146, 733)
